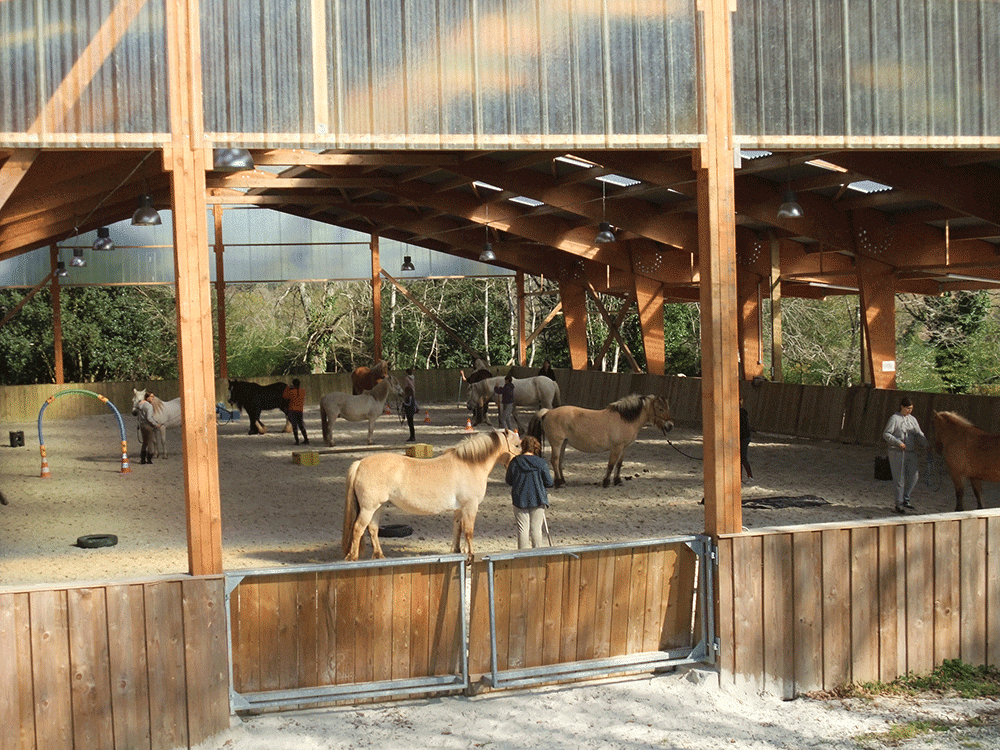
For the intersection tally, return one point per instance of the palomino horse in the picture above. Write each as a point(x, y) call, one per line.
point(613, 428)
point(455, 480)
point(538, 391)
point(167, 413)
point(365, 378)
point(968, 452)
point(369, 405)
point(254, 398)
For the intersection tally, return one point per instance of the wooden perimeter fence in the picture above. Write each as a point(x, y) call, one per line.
point(131, 665)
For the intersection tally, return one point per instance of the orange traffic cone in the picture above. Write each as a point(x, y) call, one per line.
point(468, 425)
point(387, 410)
point(427, 417)
point(126, 469)
point(46, 474)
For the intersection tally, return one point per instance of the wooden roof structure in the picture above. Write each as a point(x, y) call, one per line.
point(901, 200)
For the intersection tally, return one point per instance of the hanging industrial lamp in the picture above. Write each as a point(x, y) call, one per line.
point(604, 233)
point(790, 208)
point(77, 261)
point(407, 264)
point(487, 255)
point(103, 243)
point(231, 160)
point(146, 215)
point(61, 269)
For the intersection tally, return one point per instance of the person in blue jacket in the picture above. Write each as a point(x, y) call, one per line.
point(528, 476)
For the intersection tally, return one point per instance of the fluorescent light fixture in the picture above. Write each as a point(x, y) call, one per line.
point(824, 285)
point(525, 201)
point(960, 277)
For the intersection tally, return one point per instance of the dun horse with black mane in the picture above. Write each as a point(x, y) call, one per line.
point(254, 398)
point(613, 428)
point(968, 452)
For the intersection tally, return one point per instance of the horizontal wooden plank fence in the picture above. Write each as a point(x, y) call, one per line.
point(320, 633)
point(119, 666)
point(555, 610)
point(814, 607)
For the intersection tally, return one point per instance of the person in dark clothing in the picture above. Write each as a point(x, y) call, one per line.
point(409, 409)
point(547, 370)
point(528, 476)
point(745, 439)
point(295, 394)
point(505, 403)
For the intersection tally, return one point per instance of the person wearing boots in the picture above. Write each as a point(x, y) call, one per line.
point(295, 394)
point(147, 428)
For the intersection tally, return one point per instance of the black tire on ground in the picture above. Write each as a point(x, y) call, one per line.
point(92, 541)
point(395, 530)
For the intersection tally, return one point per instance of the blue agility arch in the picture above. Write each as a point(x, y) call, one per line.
point(46, 473)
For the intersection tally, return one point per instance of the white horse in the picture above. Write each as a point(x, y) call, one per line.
point(167, 413)
point(538, 391)
point(366, 405)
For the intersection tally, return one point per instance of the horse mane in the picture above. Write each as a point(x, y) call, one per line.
point(957, 418)
point(477, 448)
point(381, 388)
point(630, 407)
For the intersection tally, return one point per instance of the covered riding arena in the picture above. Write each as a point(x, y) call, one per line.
point(685, 127)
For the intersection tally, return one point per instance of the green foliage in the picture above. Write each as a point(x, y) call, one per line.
point(682, 338)
point(108, 333)
point(953, 677)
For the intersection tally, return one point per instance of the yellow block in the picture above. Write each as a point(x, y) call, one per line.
point(305, 458)
point(420, 450)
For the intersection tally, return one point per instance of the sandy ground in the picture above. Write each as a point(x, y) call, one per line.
point(275, 512)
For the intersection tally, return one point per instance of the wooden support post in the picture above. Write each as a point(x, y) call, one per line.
point(877, 294)
point(220, 290)
point(649, 297)
point(522, 347)
point(57, 355)
point(748, 293)
point(574, 305)
point(186, 161)
point(717, 261)
point(776, 373)
point(376, 300)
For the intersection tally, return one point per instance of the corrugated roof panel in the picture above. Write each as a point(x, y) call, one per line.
point(83, 72)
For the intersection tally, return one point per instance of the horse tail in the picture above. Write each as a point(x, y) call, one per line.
point(535, 425)
point(324, 422)
point(351, 508)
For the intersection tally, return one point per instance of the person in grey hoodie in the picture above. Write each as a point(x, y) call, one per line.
point(903, 434)
point(528, 476)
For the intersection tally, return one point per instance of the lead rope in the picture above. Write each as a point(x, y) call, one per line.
point(693, 458)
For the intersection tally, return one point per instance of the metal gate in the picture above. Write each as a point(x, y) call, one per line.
point(408, 626)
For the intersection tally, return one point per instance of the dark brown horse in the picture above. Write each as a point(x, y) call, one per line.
point(365, 378)
point(968, 452)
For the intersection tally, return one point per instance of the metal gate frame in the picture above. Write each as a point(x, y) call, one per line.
point(376, 689)
point(703, 652)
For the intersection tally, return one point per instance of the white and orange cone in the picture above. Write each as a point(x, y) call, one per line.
point(427, 417)
point(468, 425)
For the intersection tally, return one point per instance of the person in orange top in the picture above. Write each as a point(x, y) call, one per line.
point(295, 394)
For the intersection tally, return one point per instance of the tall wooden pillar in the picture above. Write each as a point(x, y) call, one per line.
point(776, 372)
point(649, 294)
point(717, 264)
point(574, 305)
point(186, 159)
point(220, 290)
point(877, 293)
point(522, 341)
point(57, 354)
point(376, 300)
point(748, 299)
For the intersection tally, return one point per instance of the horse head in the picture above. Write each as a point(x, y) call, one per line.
point(661, 414)
point(137, 397)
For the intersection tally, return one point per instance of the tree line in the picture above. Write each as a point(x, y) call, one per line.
point(944, 344)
